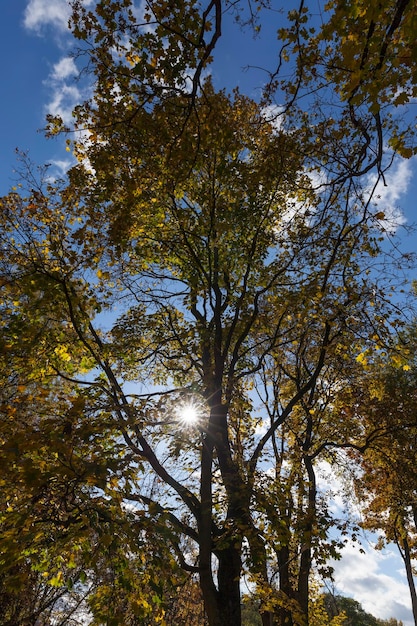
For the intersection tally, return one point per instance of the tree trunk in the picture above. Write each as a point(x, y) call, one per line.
point(303, 581)
point(222, 602)
point(285, 616)
point(223, 605)
point(408, 568)
point(205, 529)
point(229, 606)
point(309, 523)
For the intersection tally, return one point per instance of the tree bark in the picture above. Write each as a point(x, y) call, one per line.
point(305, 559)
point(285, 616)
point(229, 606)
point(205, 531)
point(221, 601)
point(405, 552)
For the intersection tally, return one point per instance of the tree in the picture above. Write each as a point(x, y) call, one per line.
point(250, 613)
point(187, 606)
point(354, 615)
point(319, 609)
point(386, 484)
point(352, 612)
point(26, 598)
point(215, 264)
point(190, 258)
point(323, 75)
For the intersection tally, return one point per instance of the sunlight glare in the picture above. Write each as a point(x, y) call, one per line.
point(189, 413)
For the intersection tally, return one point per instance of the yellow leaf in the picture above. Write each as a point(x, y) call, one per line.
point(361, 358)
point(56, 581)
point(62, 352)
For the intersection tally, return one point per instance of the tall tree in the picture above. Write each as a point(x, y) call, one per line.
point(197, 252)
point(387, 484)
point(212, 257)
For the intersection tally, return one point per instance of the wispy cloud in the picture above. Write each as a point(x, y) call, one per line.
point(372, 579)
point(63, 101)
point(41, 13)
point(64, 69)
point(60, 167)
point(66, 91)
point(389, 193)
point(52, 16)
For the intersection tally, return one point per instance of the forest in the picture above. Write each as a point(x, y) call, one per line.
point(211, 309)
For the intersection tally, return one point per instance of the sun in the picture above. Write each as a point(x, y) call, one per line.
point(188, 413)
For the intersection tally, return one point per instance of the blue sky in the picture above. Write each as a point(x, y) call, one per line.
point(25, 67)
point(37, 76)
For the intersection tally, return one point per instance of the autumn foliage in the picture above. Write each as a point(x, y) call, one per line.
point(201, 252)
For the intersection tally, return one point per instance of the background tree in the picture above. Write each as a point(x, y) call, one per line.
point(352, 612)
point(386, 483)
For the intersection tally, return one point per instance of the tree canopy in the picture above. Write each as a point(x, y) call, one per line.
point(200, 258)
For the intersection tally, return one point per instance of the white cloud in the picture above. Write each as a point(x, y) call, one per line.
point(64, 69)
point(273, 114)
point(61, 166)
point(65, 92)
point(387, 196)
point(63, 101)
point(376, 578)
point(41, 13)
point(364, 577)
point(38, 15)
point(332, 487)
